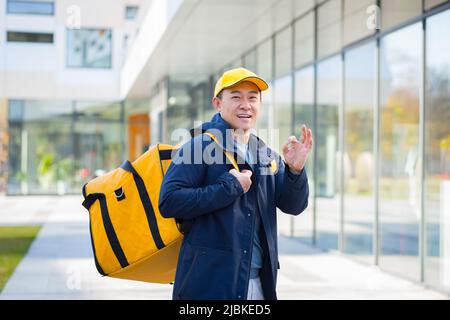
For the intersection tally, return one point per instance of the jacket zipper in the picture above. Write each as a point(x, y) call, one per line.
point(253, 229)
point(250, 255)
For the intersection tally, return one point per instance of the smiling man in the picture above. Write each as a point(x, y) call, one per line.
point(230, 251)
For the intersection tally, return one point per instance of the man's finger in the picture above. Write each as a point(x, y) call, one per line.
point(304, 133)
point(291, 141)
point(307, 136)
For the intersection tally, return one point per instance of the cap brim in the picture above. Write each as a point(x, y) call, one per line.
point(260, 83)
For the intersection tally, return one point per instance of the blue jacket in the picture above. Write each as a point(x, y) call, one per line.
point(215, 256)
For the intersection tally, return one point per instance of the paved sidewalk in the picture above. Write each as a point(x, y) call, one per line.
point(59, 264)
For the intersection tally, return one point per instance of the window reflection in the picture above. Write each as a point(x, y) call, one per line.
point(41, 157)
point(437, 150)
point(283, 109)
point(4, 145)
point(57, 146)
point(399, 136)
point(304, 114)
point(358, 155)
point(265, 112)
point(264, 60)
point(89, 48)
point(327, 193)
point(283, 125)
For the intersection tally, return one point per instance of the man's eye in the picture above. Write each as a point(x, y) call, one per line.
point(253, 98)
point(235, 97)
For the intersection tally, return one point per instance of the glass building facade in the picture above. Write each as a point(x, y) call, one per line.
point(56, 146)
point(371, 78)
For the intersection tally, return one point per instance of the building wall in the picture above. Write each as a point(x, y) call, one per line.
point(40, 71)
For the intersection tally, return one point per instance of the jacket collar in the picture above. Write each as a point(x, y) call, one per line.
point(224, 134)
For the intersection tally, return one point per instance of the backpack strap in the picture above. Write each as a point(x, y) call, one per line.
point(146, 202)
point(227, 154)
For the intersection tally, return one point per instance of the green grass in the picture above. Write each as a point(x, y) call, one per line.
point(14, 244)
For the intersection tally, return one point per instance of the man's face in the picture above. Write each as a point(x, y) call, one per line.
point(239, 105)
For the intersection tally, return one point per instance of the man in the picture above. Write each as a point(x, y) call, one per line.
point(230, 251)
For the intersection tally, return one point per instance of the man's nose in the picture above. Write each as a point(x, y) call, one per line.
point(246, 104)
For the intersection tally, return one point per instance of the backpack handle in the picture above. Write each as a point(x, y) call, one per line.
point(227, 154)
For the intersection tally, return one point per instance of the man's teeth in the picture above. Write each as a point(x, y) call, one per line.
point(244, 116)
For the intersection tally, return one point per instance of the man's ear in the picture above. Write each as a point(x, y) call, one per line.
point(217, 104)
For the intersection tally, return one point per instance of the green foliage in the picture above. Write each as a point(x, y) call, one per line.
point(46, 163)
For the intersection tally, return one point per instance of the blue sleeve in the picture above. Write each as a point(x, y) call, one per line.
point(292, 190)
point(183, 194)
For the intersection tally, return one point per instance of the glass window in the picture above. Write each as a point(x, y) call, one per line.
point(399, 181)
point(41, 149)
point(29, 37)
point(250, 61)
point(394, 12)
point(99, 136)
point(283, 109)
point(329, 28)
point(30, 7)
point(304, 114)
point(433, 3)
point(304, 40)
point(131, 12)
point(437, 151)
point(355, 20)
point(265, 119)
point(201, 100)
point(159, 104)
point(327, 180)
point(283, 129)
point(181, 111)
point(283, 52)
point(4, 145)
point(264, 60)
point(359, 161)
point(89, 48)
point(98, 148)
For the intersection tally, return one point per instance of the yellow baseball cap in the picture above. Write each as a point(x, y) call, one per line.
point(232, 77)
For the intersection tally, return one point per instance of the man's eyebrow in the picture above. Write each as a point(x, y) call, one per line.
point(237, 91)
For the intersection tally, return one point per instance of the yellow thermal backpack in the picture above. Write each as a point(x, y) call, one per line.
point(130, 239)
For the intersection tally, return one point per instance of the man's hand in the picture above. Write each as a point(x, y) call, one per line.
point(243, 177)
point(296, 152)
